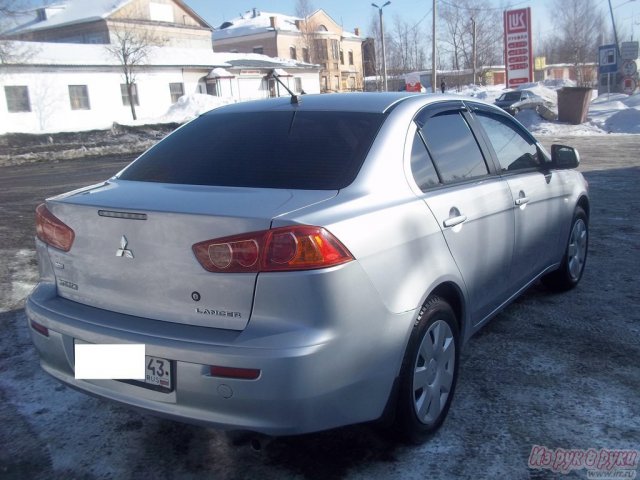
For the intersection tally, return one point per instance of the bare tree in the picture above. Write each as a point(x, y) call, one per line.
point(131, 48)
point(10, 13)
point(406, 47)
point(457, 33)
point(579, 27)
point(304, 9)
point(452, 34)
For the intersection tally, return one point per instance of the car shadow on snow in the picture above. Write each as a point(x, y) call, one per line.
point(191, 449)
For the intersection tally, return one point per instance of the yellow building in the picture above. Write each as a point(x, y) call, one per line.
point(316, 39)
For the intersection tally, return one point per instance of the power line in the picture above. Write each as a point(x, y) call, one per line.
point(422, 19)
point(461, 7)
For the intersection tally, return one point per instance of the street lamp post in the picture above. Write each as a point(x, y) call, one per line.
point(434, 72)
point(615, 32)
point(384, 56)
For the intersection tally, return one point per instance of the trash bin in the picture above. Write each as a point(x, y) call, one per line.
point(573, 104)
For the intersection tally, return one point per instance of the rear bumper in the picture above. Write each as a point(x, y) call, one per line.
point(318, 376)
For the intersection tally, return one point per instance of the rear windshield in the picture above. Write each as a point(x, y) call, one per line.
point(511, 96)
point(311, 150)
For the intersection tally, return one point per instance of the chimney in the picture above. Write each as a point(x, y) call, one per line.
point(356, 31)
point(255, 12)
point(274, 22)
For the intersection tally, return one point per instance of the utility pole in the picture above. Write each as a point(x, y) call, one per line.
point(434, 74)
point(384, 56)
point(473, 54)
point(615, 32)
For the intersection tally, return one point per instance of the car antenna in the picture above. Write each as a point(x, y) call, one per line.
point(295, 99)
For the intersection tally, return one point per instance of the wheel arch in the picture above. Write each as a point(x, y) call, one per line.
point(452, 294)
point(583, 202)
point(449, 291)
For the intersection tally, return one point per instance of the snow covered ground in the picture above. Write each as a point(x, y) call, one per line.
point(186, 108)
point(609, 113)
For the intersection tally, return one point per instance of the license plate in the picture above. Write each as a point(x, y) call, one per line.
point(158, 372)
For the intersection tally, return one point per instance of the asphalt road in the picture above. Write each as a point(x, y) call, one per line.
point(552, 370)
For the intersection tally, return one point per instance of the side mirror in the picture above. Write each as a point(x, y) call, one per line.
point(564, 157)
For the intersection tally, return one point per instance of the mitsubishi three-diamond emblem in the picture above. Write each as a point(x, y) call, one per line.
point(123, 251)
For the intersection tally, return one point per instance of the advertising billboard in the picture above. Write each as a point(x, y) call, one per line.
point(518, 48)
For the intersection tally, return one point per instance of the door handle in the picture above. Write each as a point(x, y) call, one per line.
point(522, 201)
point(453, 221)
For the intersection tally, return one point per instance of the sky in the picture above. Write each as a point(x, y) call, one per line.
point(357, 13)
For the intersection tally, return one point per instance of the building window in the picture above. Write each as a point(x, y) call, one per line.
point(159, 12)
point(124, 93)
point(305, 55)
point(292, 53)
point(321, 49)
point(213, 88)
point(352, 84)
point(177, 90)
point(17, 99)
point(350, 57)
point(273, 88)
point(298, 84)
point(335, 49)
point(79, 97)
point(336, 83)
point(259, 50)
point(341, 57)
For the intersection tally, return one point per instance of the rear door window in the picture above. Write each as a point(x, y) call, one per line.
point(311, 150)
point(453, 147)
point(424, 173)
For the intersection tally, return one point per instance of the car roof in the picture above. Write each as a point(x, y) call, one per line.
point(371, 102)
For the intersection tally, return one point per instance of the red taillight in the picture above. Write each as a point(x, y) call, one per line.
point(232, 372)
point(52, 231)
point(41, 329)
point(280, 249)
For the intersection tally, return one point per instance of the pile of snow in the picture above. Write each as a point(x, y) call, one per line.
point(253, 22)
point(614, 113)
point(546, 90)
point(190, 106)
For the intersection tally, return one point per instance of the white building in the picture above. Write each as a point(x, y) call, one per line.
point(67, 87)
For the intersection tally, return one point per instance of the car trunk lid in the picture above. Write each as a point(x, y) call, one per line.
point(132, 250)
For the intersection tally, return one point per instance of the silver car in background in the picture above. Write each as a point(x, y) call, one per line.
point(294, 266)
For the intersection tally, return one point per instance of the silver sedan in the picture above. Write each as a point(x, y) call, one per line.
point(296, 265)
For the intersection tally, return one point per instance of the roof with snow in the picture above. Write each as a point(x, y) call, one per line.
point(70, 12)
point(255, 21)
point(255, 60)
point(73, 12)
point(91, 55)
point(77, 54)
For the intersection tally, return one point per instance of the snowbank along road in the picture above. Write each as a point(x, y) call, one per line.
point(551, 370)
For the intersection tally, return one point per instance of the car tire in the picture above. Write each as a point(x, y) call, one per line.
point(568, 275)
point(430, 365)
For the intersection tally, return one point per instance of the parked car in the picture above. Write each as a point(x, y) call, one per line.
point(294, 267)
point(517, 100)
